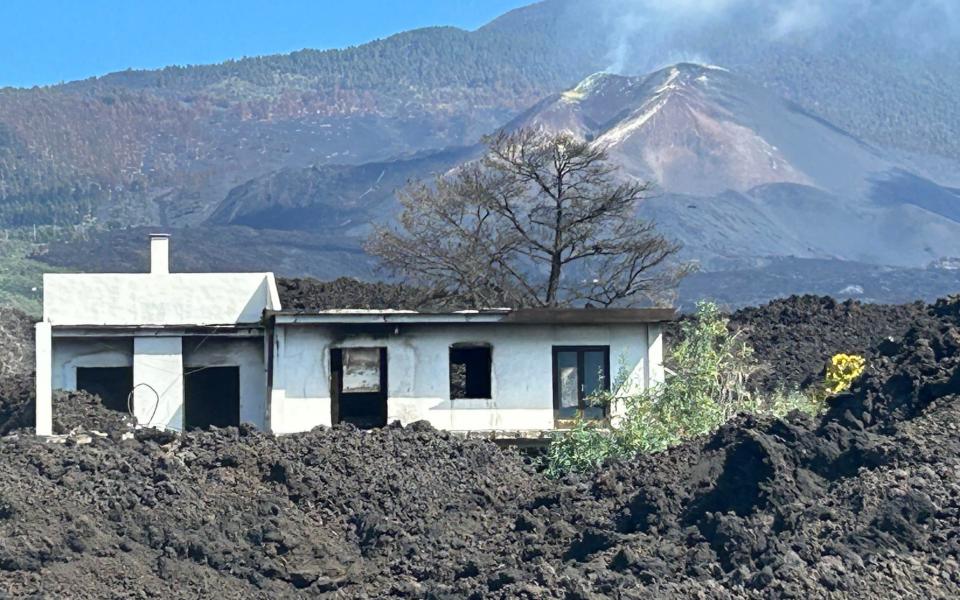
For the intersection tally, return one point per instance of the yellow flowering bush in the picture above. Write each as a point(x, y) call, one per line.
point(843, 370)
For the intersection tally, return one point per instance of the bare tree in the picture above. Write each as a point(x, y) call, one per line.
point(541, 220)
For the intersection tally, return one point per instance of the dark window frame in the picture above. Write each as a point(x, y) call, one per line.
point(581, 396)
point(489, 374)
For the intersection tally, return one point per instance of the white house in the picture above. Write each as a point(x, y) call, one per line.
point(169, 338)
point(183, 350)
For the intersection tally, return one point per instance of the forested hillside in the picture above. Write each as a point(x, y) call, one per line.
point(158, 140)
point(165, 146)
point(318, 141)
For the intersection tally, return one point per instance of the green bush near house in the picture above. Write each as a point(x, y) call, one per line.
point(706, 383)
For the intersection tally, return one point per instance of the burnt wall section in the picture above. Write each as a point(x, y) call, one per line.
point(153, 368)
point(419, 357)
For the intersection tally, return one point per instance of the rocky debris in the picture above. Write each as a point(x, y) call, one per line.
point(239, 513)
point(16, 343)
point(796, 336)
point(907, 374)
point(863, 502)
point(345, 292)
point(73, 412)
point(80, 411)
point(16, 403)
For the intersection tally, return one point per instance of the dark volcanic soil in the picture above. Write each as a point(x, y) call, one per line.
point(345, 292)
point(16, 343)
point(796, 336)
point(864, 502)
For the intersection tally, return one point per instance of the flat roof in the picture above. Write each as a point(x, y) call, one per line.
point(524, 316)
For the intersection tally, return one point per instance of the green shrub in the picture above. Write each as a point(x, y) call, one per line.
point(784, 401)
point(581, 448)
point(707, 382)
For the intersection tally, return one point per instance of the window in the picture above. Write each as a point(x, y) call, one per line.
point(470, 372)
point(579, 372)
point(358, 386)
point(112, 384)
point(211, 397)
point(361, 370)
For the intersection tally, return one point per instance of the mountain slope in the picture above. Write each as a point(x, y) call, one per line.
point(339, 199)
point(832, 140)
point(164, 147)
point(881, 69)
point(168, 144)
point(701, 129)
point(743, 174)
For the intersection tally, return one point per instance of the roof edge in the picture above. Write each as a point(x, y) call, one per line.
point(529, 316)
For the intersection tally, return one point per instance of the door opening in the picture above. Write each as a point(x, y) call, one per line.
point(358, 381)
point(579, 372)
point(211, 397)
point(112, 384)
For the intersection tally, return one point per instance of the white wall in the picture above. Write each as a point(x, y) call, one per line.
point(70, 353)
point(158, 382)
point(146, 299)
point(160, 365)
point(418, 372)
point(44, 394)
point(247, 354)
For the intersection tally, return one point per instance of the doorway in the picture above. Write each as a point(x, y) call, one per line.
point(211, 397)
point(579, 372)
point(112, 384)
point(358, 382)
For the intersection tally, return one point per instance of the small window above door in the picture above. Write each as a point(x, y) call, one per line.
point(579, 372)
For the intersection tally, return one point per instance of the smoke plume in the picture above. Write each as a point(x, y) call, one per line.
point(645, 34)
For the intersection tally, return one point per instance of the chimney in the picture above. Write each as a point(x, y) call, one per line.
point(159, 253)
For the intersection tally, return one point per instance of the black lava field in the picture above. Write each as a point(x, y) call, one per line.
point(862, 502)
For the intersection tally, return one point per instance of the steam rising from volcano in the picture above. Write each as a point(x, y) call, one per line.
point(646, 33)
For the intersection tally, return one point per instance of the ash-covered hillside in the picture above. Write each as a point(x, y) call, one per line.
point(741, 174)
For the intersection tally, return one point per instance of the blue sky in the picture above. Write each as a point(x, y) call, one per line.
point(49, 41)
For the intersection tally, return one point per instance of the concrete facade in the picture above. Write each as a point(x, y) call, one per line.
point(158, 382)
point(418, 367)
point(245, 353)
point(69, 354)
point(145, 299)
point(292, 371)
point(162, 325)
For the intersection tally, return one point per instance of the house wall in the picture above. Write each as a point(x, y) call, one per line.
point(418, 371)
point(152, 299)
point(158, 381)
point(43, 416)
point(247, 354)
point(159, 362)
point(70, 353)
